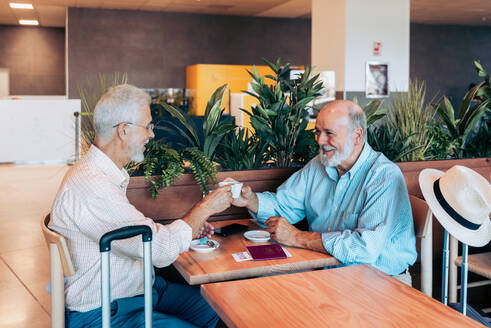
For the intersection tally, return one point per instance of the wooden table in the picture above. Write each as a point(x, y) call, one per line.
point(219, 265)
point(355, 296)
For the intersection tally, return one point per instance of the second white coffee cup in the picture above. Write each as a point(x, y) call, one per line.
point(236, 187)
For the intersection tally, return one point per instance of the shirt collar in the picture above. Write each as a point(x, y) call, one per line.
point(365, 153)
point(98, 158)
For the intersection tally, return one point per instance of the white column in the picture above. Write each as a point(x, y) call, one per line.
point(343, 36)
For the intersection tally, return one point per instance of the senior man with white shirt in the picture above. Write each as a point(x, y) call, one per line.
point(92, 201)
point(355, 199)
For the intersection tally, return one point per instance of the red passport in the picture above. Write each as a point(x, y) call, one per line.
point(266, 252)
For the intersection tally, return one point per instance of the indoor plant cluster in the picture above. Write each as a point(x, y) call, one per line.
point(410, 128)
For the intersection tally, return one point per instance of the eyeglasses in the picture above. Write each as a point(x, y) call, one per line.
point(149, 127)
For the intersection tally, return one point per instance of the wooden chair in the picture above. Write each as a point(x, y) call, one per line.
point(423, 229)
point(60, 266)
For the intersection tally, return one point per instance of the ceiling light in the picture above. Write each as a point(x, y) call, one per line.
point(28, 22)
point(21, 5)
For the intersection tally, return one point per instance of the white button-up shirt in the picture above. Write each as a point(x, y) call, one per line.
point(92, 201)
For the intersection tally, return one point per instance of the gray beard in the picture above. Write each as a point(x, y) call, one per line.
point(138, 157)
point(338, 157)
point(138, 154)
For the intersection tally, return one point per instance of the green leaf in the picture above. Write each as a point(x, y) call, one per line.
point(271, 65)
point(212, 112)
point(374, 118)
point(246, 111)
point(443, 112)
point(185, 120)
point(480, 70)
point(407, 152)
point(469, 96)
point(473, 119)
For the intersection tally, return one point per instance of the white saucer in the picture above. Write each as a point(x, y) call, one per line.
point(257, 236)
point(195, 246)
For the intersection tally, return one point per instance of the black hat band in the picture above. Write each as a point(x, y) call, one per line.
point(450, 211)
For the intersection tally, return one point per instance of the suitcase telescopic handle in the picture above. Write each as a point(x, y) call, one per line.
point(124, 233)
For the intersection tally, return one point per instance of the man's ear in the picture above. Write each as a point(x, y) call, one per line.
point(358, 136)
point(121, 131)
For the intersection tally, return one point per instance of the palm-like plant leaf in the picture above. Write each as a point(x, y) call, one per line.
point(213, 110)
point(446, 112)
point(472, 120)
point(465, 107)
point(186, 121)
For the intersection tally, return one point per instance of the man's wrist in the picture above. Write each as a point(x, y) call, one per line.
point(202, 210)
point(299, 239)
point(253, 203)
point(308, 239)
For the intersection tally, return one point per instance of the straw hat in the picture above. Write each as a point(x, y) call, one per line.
point(461, 201)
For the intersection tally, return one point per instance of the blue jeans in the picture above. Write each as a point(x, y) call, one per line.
point(174, 305)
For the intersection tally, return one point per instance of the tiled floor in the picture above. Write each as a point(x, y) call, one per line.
point(26, 194)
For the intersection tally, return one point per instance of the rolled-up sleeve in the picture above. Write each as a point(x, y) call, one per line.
point(288, 201)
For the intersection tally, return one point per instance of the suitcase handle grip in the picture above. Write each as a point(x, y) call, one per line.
point(124, 233)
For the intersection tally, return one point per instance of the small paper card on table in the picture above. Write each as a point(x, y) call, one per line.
point(266, 252)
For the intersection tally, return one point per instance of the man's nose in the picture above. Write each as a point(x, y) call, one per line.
point(152, 135)
point(322, 139)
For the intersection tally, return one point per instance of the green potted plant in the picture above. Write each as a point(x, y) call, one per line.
point(246, 152)
point(459, 128)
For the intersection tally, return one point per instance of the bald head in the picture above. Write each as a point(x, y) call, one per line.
point(345, 112)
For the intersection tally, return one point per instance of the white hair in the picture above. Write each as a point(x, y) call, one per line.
point(357, 119)
point(120, 104)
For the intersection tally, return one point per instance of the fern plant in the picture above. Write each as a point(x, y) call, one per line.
point(203, 168)
point(165, 165)
point(280, 117)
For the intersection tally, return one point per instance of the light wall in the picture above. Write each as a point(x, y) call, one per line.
point(343, 37)
point(385, 21)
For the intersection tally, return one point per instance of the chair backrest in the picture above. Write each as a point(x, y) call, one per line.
point(421, 215)
point(53, 237)
point(60, 266)
point(423, 229)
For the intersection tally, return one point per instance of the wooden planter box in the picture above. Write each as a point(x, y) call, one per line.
point(173, 202)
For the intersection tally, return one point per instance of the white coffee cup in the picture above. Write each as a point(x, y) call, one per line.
point(236, 187)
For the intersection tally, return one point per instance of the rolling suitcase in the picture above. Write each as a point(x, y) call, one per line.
point(105, 249)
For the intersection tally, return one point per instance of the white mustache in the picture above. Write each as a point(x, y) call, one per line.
point(327, 148)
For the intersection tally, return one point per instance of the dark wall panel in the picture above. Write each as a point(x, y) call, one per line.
point(154, 48)
point(443, 56)
point(35, 57)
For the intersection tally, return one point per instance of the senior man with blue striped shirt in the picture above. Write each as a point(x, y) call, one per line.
point(355, 199)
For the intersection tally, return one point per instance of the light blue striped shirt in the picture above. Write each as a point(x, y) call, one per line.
point(364, 216)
